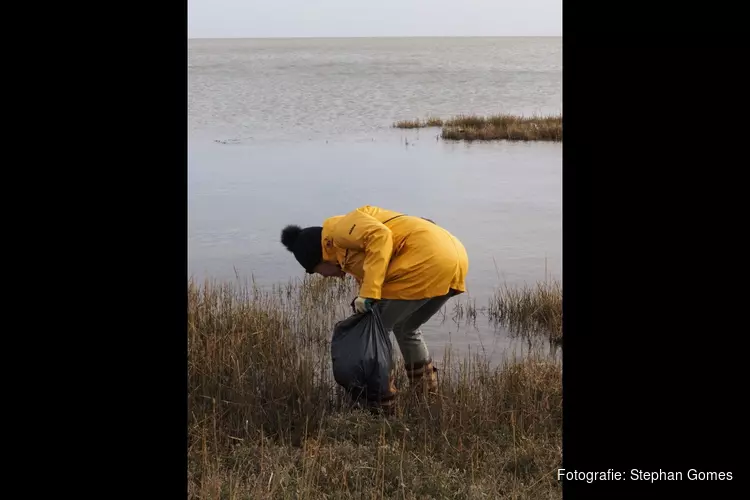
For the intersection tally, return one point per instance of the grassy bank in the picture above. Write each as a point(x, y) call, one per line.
point(266, 421)
point(492, 128)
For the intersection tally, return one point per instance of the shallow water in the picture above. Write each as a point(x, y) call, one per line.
point(294, 131)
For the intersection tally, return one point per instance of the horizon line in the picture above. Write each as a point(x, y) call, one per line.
point(363, 36)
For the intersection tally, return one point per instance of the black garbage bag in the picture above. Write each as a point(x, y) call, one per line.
point(361, 351)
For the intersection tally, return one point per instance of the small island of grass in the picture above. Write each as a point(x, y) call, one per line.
point(493, 127)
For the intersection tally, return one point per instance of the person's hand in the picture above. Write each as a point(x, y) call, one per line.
point(362, 304)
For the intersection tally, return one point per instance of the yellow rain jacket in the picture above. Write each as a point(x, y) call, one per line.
point(394, 255)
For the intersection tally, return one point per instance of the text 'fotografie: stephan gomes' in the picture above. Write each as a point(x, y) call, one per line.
point(641, 475)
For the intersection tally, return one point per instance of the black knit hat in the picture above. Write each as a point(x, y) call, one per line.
point(305, 244)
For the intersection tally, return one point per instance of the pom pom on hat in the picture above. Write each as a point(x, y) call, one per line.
point(305, 244)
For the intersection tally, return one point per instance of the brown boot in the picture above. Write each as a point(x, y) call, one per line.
point(387, 403)
point(423, 377)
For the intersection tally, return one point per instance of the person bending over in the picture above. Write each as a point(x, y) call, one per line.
point(407, 266)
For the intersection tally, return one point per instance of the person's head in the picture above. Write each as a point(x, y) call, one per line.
point(307, 247)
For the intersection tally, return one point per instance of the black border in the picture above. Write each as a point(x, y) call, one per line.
point(131, 398)
point(649, 383)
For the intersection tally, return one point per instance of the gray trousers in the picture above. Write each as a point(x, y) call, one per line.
point(404, 318)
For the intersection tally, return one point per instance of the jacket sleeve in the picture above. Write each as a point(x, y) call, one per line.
point(360, 231)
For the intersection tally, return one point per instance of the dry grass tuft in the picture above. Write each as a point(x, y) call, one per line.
point(427, 122)
point(530, 310)
point(266, 421)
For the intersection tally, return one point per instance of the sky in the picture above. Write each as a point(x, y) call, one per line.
point(356, 18)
